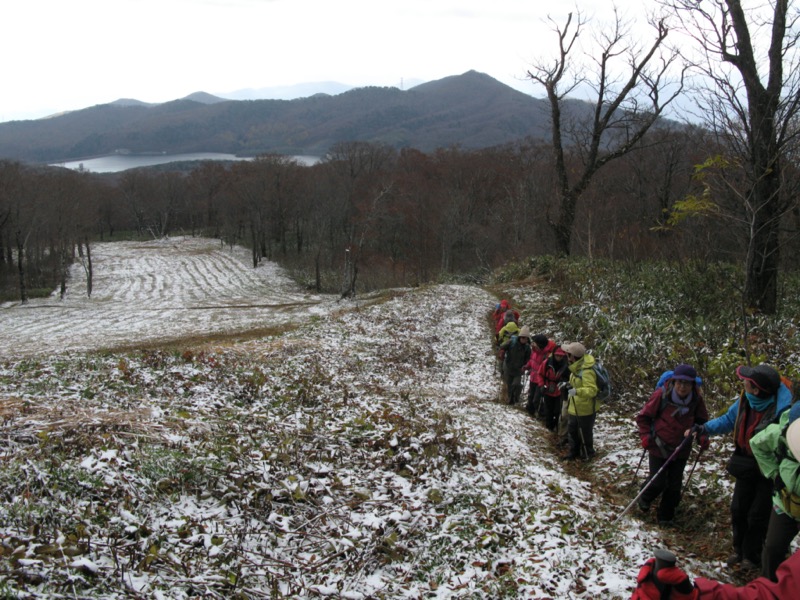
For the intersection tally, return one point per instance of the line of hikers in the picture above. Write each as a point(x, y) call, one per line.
point(765, 426)
point(562, 384)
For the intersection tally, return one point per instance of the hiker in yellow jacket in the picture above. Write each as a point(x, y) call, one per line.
point(581, 402)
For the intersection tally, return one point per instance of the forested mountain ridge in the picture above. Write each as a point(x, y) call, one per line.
point(471, 110)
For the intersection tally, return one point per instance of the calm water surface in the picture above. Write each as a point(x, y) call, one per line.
point(122, 162)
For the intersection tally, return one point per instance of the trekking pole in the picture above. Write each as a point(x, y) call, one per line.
point(654, 477)
point(691, 472)
point(639, 466)
point(584, 450)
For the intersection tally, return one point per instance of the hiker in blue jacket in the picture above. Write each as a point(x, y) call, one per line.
point(761, 402)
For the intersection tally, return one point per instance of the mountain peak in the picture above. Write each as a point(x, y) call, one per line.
point(204, 98)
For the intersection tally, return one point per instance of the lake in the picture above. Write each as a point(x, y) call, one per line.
point(122, 162)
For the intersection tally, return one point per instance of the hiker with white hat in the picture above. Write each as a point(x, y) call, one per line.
point(777, 450)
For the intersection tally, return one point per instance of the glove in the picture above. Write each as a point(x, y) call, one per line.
point(571, 393)
point(682, 588)
point(645, 441)
point(645, 586)
point(698, 429)
point(778, 484)
point(703, 441)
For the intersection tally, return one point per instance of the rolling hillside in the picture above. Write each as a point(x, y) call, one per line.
point(472, 110)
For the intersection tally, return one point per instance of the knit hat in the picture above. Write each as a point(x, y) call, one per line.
point(575, 348)
point(540, 340)
point(684, 372)
point(524, 333)
point(764, 377)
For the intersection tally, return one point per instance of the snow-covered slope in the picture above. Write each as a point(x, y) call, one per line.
point(363, 454)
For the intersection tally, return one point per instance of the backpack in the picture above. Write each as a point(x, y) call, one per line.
point(789, 500)
point(603, 381)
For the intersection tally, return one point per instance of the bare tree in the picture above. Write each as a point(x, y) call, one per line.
point(631, 87)
point(750, 98)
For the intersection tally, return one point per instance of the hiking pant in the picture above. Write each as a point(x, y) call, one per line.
point(581, 435)
point(534, 400)
point(781, 531)
point(668, 485)
point(552, 406)
point(514, 384)
point(751, 507)
point(563, 420)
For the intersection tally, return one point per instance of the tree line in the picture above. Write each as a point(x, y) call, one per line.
point(366, 216)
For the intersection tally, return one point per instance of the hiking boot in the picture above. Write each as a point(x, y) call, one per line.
point(748, 565)
point(644, 505)
point(569, 457)
point(666, 523)
point(734, 559)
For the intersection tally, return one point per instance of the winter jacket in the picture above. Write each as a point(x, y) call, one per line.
point(551, 373)
point(734, 419)
point(762, 588)
point(538, 356)
point(584, 381)
point(774, 459)
point(517, 356)
point(506, 332)
point(661, 424)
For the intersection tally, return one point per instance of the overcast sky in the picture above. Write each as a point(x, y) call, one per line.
point(68, 54)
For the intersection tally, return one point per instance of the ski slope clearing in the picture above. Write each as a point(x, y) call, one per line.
point(362, 455)
point(155, 292)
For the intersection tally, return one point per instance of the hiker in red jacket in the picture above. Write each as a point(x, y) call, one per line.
point(787, 586)
point(667, 414)
point(540, 350)
point(552, 372)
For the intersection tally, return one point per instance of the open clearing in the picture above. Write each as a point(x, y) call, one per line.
point(156, 292)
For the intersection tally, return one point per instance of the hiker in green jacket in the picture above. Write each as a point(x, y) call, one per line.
point(777, 450)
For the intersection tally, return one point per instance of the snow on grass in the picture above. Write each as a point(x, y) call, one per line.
point(362, 454)
point(157, 291)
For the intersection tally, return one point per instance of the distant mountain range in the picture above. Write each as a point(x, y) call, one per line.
point(471, 110)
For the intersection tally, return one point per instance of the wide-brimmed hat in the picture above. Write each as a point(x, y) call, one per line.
point(575, 348)
point(764, 377)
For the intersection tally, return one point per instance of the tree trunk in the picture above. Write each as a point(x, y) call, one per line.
point(761, 279)
point(89, 271)
point(23, 292)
